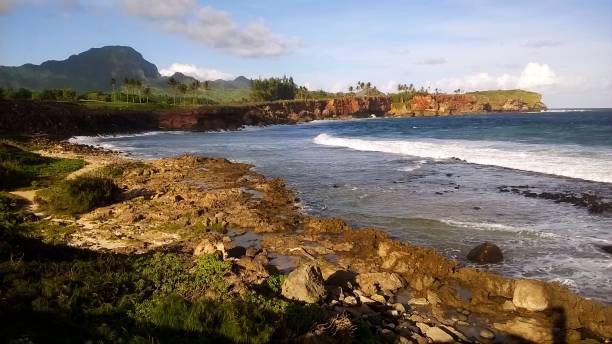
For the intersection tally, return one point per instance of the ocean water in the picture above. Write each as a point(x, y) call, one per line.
point(434, 182)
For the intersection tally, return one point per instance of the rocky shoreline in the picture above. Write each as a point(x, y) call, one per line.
point(404, 293)
point(63, 120)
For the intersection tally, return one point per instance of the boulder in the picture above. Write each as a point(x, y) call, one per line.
point(209, 246)
point(379, 282)
point(305, 284)
point(530, 295)
point(436, 334)
point(485, 253)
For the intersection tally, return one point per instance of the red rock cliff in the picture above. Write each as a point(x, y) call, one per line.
point(282, 112)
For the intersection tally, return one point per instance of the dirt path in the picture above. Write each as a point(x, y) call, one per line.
point(28, 195)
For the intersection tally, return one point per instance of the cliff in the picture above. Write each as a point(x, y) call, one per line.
point(282, 112)
point(474, 102)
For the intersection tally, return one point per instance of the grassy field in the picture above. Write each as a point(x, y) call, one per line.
point(500, 96)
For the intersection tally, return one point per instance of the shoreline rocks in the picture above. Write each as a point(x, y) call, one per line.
point(485, 253)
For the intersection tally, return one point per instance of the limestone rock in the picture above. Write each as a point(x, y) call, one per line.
point(486, 253)
point(530, 295)
point(379, 282)
point(305, 283)
point(436, 334)
point(529, 329)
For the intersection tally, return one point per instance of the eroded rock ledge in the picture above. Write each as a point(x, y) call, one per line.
point(408, 293)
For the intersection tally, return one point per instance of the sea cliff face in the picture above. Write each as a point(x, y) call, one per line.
point(477, 102)
point(282, 112)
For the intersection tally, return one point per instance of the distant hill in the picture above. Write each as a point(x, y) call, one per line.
point(93, 70)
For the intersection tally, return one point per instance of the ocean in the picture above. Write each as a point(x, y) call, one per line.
point(435, 181)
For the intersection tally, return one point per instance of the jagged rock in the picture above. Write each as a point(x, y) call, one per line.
point(236, 252)
point(436, 334)
point(305, 283)
point(402, 340)
point(379, 282)
point(530, 295)
point(209, 246)
point(529, 329)
point(387, 335)
point(433, 298)
point(350, 301)
point(485, 253)
point(399, 307)
point(486, 334)
point(508, 306)
point(378, 298)
point(419, 301)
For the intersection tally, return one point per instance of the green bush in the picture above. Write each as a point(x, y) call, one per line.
point(275, 282)
point(80, 195)
point(20, 168)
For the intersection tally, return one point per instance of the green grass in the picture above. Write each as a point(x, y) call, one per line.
point(80, 194)
point(22, 168)
point(501, 96)
point(54, 293)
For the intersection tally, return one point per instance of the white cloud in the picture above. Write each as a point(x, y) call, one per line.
point(534, 76)
point(211, 27)
point(158, 8)
point(201, 74)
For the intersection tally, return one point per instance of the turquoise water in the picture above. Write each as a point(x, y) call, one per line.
point(434, 181)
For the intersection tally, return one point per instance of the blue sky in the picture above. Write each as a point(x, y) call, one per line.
point(560, 48)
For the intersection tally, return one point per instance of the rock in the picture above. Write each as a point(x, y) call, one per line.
point(485, 253)
point(420, 301)
point(530, 295)
point(251, 252)
point(387, 335)
point(606, 248)
point(508, 306)
point(402, 340)
point(379, 298)
point(486, 334)
point(399, 307)
point(436, 334)
point(178, 198)
point(379, 282)
point(350, 301)
point(236, 252)
point(433, 298)
point(362, 297)
point(305, 283)
point(209, 246)
point(394, 313)
point(529, 329)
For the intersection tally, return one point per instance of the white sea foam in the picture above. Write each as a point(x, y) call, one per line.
point(563, 160)
point(488, 226)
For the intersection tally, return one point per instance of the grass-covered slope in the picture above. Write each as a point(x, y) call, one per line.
point(499, 97)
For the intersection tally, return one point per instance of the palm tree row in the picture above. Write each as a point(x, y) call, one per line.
point(177, 87)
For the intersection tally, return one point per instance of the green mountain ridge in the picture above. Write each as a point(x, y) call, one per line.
point(93, 69)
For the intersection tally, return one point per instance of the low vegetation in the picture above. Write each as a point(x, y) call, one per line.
point(22, 168)
point(80, 194)
point(501, 96)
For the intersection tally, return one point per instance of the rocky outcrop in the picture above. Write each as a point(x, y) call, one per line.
point(305, 284)
point(485, 253)
point(477, 102)
point(280, 112)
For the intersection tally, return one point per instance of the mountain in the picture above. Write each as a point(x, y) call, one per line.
point(93, 70)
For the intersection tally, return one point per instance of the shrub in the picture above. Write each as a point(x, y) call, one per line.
point(80, 195)
point(275, 282)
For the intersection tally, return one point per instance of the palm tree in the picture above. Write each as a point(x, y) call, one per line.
point(147, 92)
point(183, 89)
point(172, 83)
point(194, 87)
point(350, 88)
point(113, 83)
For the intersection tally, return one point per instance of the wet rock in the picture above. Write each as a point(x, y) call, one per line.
point(530, 295)
point(236, 252)
point(436, 334)
point(486, 334)
point(379, 282)
point(485, 253)
point(606, 248)
point(305, 283)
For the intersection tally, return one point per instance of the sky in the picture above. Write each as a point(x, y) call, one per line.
point(561, 48)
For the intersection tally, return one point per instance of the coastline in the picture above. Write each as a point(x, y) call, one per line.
point(433, 290)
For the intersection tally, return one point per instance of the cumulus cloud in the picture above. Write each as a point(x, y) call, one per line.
point(432, 61)
point(201, 74)
point(159, 8)
point(541, 44)
point(212, 27)
point(533, 76)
